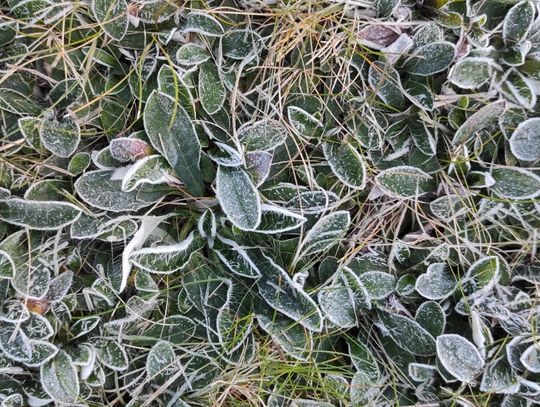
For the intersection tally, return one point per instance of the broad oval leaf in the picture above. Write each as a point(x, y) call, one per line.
point(241, 44)
point(436, 283)
point(172, 133)
point(531, 358)
point(385, 82)
point(404, 181)
point(378, 284)
point(211, 89)
point(203, 23)
point(525, 140)
point(159, 361)
point(112, 355)
point(346, 163)
point(238, 197)
point(471, 72)
point(518, 21)
point(408, 334)
point(262, 135)
point(60, 137)
point(59, 378)
point(431, 317)
point(112, 15)
point(431, 58)
point(325, 233)
point(38, 215)
point(192, 54)
point(485, 118)
point(459, 357)
point(515, 183)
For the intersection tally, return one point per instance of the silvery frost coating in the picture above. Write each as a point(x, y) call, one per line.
point(288, 203)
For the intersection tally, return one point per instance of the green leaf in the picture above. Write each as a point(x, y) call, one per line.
point(79, 163)
point(344, 299)
point(485, 272)
point(153, 170)
point(499, 378)
point(211, 89)
point(519, 89)
point(363, 359)
point(97, 189)
point(518, 21)
point(258, 165)
point(241, 44)
point(385, 82)
point(275, 219)
point(238, 197)
point(202, 23)
point(7, 266)
point(16, 103)
point(165, 259)
point(419, 94)
point(525, 140)
point(431, 58)
point(303, 122)
point(59, 378)
point(346, 163)
point(282, 294)
point(471, 72)
point(436, 283)
point(325, 233)
point(262, 135)
point(378, 284)
point(404, 181)
point(112, 16)
point(431, 317)
point(459, 357)
point(408, 334)
point(385, 8)
point(112, 355)
point(485, 118)
point(39, 215)
point(192, 54)
point(60, 137)
point(172, 133)
point(160, 360)
point(515, 183)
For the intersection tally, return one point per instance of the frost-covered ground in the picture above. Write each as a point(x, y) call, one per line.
point(285, 204)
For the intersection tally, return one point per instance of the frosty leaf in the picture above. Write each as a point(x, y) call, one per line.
point(59, 378)
point(431, 58)
point(211, 89)
point(408, 334)
point(436, 283)
point(303, 122)
point(404, 181)
point(531, 358)
point(37, 327)
point(363, 359)
point(165, 259)
point(145, 282)
point(346, 163)
point(385, 8)
point(160, 360)
point(419, 94)
point(363, 388)
point(97, 189)
point(14, 311)
point(79, 163)
point(60, 137)
point(258, 165)
point(518, 21)
point(238, 197)
point(377, 36)
point(207, 225)
point(325, 233)
point(38, 215)
point(471, 73)
point(225, 155)
point(16, 103)
point(499, 378)
point(7, 265)
point(279, 291)
point(485, 118)
point(15, 344)
point(202, 23)
point(59, 286)
point(385, 82)
point(525, 140)
point(32, 281)
point(112, 355)
point(112, 15)
point(448, 207)
point(278, 220)
point(378, 284)
point(312, 202)
point(431, 317)
point(421, 372)
point(343, 299)
point(519, 89)
point(485, 271)
point(262, 135)
point(235, 258)
point(172, 133)
point(42, 352)
point(459, 357)
point(126, 149)
point(149, 170)
point(514, 183)
point(192, 54)
point(241, 44)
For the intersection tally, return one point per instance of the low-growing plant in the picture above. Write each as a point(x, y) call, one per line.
point(291, 203)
